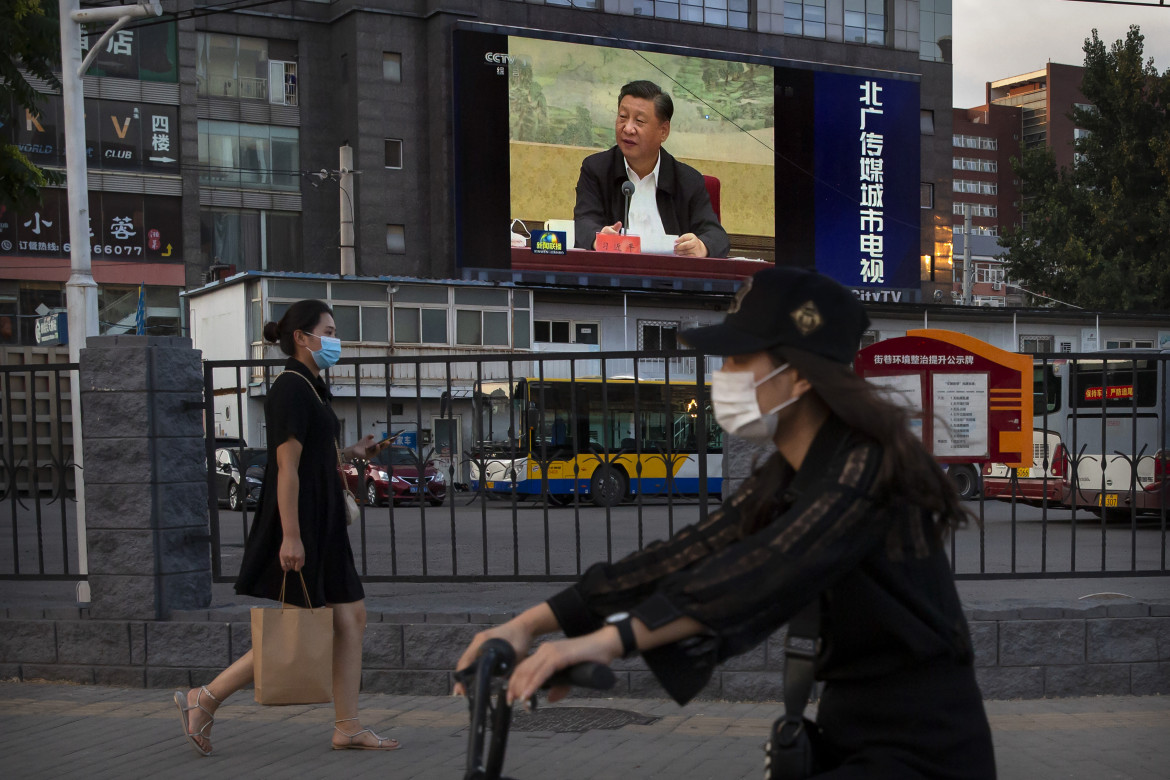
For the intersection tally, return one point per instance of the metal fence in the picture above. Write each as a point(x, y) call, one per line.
point(531, 531)
point(1094, 501)
point(489, 425)
point(38, 532)
point(1093, 504)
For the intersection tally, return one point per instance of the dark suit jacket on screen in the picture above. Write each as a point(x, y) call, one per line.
point(683, 201)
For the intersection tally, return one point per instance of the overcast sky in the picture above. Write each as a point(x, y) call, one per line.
point(994, 39)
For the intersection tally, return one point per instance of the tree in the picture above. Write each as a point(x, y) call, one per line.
point(1098, 234)
point(30, 37)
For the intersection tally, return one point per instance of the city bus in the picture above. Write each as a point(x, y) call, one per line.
point(605, 441)
point(1104, 439)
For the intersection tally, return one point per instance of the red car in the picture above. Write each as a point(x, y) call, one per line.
point(394, 471)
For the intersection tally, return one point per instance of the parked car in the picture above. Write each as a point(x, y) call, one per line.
point(239, 473)
point(394, 471)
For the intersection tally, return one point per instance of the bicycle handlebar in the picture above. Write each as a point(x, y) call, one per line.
point(497, 658)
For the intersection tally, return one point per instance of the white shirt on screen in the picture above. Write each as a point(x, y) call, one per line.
point(644, 217)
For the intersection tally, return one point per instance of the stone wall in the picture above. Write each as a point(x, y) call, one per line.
point(1028, 653)
point(145, 476)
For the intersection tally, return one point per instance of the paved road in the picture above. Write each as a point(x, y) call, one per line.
point(94, 732)
point(392, 544)
point(531, 540)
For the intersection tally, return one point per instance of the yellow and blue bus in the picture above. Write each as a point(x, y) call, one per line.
point(605, 441)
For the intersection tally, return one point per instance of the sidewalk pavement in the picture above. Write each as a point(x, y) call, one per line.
point(64, 731)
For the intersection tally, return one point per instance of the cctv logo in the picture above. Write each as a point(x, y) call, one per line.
point(499, 58)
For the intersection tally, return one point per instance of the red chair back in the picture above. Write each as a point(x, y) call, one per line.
point(713, 191)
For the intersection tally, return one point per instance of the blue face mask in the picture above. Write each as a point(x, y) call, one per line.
point(329, 353)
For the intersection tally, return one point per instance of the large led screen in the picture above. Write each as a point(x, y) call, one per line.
point(817, 165)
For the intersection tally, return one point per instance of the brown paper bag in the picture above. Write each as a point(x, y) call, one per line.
point(293, 652)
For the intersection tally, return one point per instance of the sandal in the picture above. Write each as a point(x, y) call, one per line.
point(184, 708)
point(384, 743)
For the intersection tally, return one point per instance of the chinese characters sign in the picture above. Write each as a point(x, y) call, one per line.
point(866, 183)
point(871, 165)
point(118, 135)
point(125, 227)
point(967, 400)
point(145, 53)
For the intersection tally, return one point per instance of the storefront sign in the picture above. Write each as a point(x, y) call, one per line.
point(53, 329)
point(121, 227)
point(119, 135)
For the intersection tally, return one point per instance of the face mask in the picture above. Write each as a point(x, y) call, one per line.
point(737, 409)
point(329, 353)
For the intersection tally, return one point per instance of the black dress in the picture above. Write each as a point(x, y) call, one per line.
point(293, 410)
point(900, 697)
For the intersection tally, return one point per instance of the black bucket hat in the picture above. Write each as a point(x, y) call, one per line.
point(786, 306)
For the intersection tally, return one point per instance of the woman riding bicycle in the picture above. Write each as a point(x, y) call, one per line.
point(851, 513)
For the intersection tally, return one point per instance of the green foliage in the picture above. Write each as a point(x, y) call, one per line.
point(1098, 235)
point(30, 37)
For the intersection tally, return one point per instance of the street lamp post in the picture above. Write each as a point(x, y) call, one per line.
point(81, 291)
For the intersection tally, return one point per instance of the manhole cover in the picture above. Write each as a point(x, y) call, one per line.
point(577, 719)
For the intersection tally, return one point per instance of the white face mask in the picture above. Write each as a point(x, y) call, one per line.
point(737, 409)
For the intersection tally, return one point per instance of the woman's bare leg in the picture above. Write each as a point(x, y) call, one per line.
point(224, 685)
point(349, 626)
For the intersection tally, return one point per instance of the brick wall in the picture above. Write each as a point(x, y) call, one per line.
point(1029, 653)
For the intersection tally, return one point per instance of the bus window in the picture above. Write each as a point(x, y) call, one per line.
point(1046, 386)
point(1119, 384)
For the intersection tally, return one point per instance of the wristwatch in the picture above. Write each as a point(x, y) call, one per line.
point(622, 621)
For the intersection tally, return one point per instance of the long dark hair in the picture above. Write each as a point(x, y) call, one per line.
point(908, 474)
point(302, 315)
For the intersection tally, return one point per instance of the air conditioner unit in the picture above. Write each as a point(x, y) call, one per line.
point(997, 285)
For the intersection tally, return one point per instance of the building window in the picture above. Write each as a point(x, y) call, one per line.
point(1035, 344)
point(238, 155)
point(655, 335)
point(251, 240)
point(977, 209)
point(926, 195)
point(976, 230)
point(989, 273)
point(394, 153)
point(1128, 343)
point(395, 239)
point(392, 66)
point(926, 121)
point(566, 332)
point(865, 21)
point(975, 142)
point(974, 187)
point(805, 17)
point(974, 164)
point(362, 323)
point(231, 66)
point(934, 31)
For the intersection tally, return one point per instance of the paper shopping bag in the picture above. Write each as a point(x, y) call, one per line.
point(292, 651)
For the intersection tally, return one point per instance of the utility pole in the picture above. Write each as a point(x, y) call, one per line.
point(967, 254)
point(345, 169)
point(81, 293)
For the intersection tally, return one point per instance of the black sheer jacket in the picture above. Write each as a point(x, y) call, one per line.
point(888, 599)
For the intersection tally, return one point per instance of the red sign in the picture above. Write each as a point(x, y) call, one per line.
point(1113, 392)
point(612, 242)
point(152, 239)
point(968, 401)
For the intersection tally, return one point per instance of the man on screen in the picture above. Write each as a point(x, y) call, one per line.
point(669, 197)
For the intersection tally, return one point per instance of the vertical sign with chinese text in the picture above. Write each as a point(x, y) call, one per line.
point(866, 173)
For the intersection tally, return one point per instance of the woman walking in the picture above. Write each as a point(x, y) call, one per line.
point(849, 514)
point(300, 526)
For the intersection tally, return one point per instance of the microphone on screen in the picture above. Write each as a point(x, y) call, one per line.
point(628, 191)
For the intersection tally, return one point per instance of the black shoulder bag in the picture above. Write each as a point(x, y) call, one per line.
point(790, 752)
